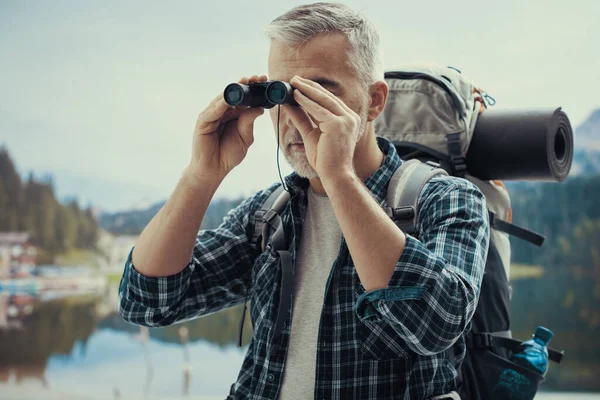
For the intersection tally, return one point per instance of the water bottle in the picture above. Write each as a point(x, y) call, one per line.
point(533, 353)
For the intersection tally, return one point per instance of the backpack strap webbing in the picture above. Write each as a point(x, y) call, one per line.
point(267, 221)
point(404, 189)
point(516, 231)
point(458, 160)
point(265, 217)
point(503, 339)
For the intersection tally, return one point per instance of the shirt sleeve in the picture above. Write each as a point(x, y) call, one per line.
point(216, 277)
point(434, 289)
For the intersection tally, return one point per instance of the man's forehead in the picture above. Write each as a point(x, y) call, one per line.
point(323, 60)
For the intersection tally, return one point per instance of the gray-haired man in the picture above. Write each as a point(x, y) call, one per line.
point(374, 310)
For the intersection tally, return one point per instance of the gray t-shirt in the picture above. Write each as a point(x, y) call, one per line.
point(319, 246)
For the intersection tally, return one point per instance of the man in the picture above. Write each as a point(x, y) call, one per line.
point(377, 314)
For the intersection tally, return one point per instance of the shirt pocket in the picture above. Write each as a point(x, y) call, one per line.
point(379, 341)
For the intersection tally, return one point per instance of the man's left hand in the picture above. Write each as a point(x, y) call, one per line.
point(329, 128)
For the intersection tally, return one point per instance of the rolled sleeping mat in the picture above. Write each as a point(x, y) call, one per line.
point(534, 145)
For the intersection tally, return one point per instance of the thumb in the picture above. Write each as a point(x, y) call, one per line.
point(246, 123)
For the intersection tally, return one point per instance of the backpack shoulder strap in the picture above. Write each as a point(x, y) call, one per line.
point(264, 217)
point(269, 234)
point(404, 189)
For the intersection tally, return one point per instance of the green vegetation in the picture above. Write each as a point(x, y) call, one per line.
point(556, 210)
point(114, 278)
point(31, 206)
point(77, 257)
point(522, 271)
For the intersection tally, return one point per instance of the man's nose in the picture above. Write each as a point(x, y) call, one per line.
point(289, 123)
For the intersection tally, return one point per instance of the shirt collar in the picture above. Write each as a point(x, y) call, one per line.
point(377, 183)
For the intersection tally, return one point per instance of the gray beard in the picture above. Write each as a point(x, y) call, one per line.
point(297, 159)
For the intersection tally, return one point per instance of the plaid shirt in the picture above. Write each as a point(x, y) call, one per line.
point(401, 342)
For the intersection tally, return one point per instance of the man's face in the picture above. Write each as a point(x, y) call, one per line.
point(324, 61)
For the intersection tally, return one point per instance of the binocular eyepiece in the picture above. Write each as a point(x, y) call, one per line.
point(259, 94)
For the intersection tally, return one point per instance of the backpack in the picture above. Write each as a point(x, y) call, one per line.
point(430, 117)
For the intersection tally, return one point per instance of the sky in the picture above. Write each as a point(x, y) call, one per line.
point(104, 95)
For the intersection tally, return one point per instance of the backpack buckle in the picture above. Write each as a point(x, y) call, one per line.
point(459, 166)
point(403, 213)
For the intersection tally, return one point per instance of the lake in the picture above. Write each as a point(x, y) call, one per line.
point(76, 347)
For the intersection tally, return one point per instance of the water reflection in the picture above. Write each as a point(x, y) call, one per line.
point(34, 331)
point(79, 344)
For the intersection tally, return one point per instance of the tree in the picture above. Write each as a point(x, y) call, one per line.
point(32, 207)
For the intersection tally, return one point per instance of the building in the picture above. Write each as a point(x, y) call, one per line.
point(18, 254)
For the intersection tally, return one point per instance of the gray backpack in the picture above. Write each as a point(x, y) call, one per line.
point(430, 115)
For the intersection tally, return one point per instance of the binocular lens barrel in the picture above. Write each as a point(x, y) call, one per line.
point(234, 94)
point(259, 94)
point(279, 92)
point(252, 95)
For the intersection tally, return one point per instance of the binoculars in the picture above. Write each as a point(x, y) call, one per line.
point(259, 94)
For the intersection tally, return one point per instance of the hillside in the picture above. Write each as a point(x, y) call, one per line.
point(133, 222)
point(587, 136)
point(31, 206)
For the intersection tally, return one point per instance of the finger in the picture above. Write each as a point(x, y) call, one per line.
point(246, 124)
point(254, 78)
point(320, 95)
point(232, 113)
point(314, 109)
point(210, 127)
point(215, 112)
point(309, 131)
point(214, 101)
point(321, 88)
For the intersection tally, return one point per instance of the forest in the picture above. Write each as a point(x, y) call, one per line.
point(31, 205)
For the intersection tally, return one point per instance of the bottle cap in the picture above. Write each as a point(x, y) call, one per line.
point(543, 333)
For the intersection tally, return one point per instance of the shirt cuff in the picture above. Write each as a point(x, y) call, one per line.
point(417, 269)
point(155, 292)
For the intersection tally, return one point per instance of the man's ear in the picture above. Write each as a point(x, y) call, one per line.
point(378, 93)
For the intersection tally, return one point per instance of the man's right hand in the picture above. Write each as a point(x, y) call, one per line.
point(222, 137)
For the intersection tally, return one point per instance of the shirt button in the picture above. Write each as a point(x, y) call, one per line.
point(284, 325)
point(270, 377)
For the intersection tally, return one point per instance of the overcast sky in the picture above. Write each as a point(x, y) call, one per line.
point(105, 94)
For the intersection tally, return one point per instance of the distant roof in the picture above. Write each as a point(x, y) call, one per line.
point(14, 237)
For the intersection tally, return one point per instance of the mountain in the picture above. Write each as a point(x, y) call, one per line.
point(104, 194)
point(586, 156)
point(587, 135)
point(585, 162)
point(133, 222)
